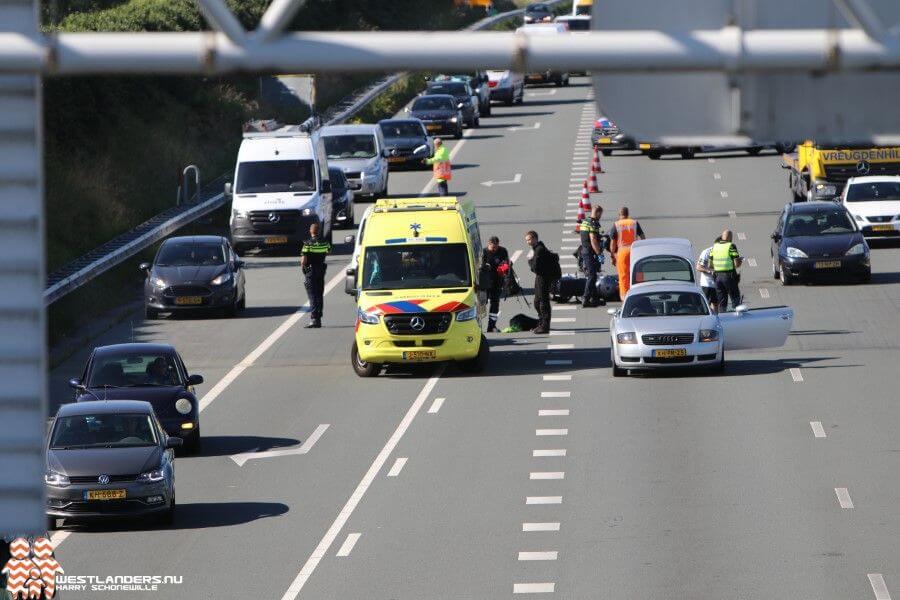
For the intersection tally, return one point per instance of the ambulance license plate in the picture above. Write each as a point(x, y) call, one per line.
point(827, 264)
point(104, 495)
point(188, 300)
point(882, 227)
point(420, 355)
point(670, 353)
point(276, 239)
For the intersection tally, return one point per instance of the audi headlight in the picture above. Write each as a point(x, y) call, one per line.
point(157, 282)
point(627, 338)
point(453, 119)
point(467, 315)
point(221, 279)
point(796, 253)
point(709, 335)
point(56, 479)
point(857, 249)
point(154, 475)
point(367, 318)
point(183, 406)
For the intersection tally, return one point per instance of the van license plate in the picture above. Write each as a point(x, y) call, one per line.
point(276, 239)
point(420, 355)
point(670, 353)
point(104, 495)
point(828, 264)
point(188, 300)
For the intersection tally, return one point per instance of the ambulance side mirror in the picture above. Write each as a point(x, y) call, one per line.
point(350, 281)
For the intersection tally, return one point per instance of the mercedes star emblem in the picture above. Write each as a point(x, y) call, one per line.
point(862, 167)
point(274, 217)
point(103, 479)
point(417, 323)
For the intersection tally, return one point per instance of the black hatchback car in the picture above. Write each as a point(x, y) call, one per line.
point(818, 240)
point(439, 113)
point(463, 94)
point(404, 137)
point(342, 211)
point(154, 373)
point(109, 459)
point(194, 272)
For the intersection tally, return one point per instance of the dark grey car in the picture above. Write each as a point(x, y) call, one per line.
point(107, 459)
point(194, 272)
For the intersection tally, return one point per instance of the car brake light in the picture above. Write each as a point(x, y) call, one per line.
point(492, 84)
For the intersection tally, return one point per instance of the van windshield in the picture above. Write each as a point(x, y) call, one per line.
point(416, 267)
point(276, 176)
point(350, 146)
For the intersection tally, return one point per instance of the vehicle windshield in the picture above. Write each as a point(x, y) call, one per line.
point(275, 176)
point(822, 222)
point(578, 24)
point(350, 146)
point(664, 304)
point(134, 370)
point(583, 10)
point(432, 103)
point(452, 89)
point(875, 191)
point(103, 431)
point(658, 268)
point(416, 267)
point(190, 255)
point(537, 8)
point(402, 129)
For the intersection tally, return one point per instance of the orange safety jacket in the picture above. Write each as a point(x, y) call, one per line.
point(626, 231)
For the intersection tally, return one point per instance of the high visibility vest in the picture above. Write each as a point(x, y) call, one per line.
point(586, 228)
point(441, 164)
point(626, 230)
point(722, 259)
point(315, 246)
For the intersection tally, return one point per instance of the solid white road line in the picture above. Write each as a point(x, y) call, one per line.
point(557, 378)
point(843, 496)
point(879, 587)
point(322, 548)
point(550, 555)
point(550, 432)
point(535, 475)
point(543, 500)
point(544, 453)
point(560, 346)
point(553, 412)
point(436, 405)
point(817, 429)
point(347, 547)
point(763, 292)
point(556, 394)
point(557, 362)
point(398, 466)
point(535, 588)
point(530, 527)
point(796, 375)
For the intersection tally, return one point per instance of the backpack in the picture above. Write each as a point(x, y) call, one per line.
point(553, 264)
point(521, 322)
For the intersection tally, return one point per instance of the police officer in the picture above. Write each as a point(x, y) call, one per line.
point(312, 262)
point(725, 261)
point(493, 257)
point(591, 249)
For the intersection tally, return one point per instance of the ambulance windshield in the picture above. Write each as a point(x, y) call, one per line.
point(416, 266)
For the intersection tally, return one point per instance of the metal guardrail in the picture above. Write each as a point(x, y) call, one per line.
point(209, 198)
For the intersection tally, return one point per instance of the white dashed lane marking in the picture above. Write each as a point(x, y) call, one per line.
point(533, 588)
point(531, 527)
point(751, 262)
point(560, 346)
point(543, 500)
point(879, 587)
point(550, 555)
point(561, 332)
point(347, 547)
point(546, 453)
point(553, 412)
point(817, 429)
point(562, 319)
point(723, 193)
point(398, 466)
point(557, 378)
point(436, 405)
point(843, 497)
point(544, 475)
point(556, 394)
point(742, 235)
point(551, 432)
point(796, 375)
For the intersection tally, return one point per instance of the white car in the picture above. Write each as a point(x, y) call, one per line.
point(665, 321)
point(506, 86)
point(874, 203)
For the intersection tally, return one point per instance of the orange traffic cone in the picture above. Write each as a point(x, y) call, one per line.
point(594, 189)
point(596, 167)
point(584, 205)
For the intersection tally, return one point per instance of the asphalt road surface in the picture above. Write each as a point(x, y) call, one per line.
point(544, 475)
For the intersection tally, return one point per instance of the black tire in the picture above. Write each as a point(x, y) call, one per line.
point(786, 277)
point(477, 121)
point(361, 367)
point(562, 299)
point(51, 523)
point(866, 277)
point(243, 302)
point(687, 154)
point(754, 150)
point(239, 250)
point(350, 223)
point(653, 154)
point(192, 443)
point(480, 362)
point(458, 134)
point(606, 152)
point(719, 367)
point(230, 311)
point(616, 371)
point(168, 517)
point(151, 314)
point(776, 272)
point(521, 96)
point(486, 109)
point(510, 101)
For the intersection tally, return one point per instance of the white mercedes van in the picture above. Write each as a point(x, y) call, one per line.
point(281, 186)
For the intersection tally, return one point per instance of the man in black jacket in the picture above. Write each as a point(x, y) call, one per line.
point(493, 257)
point(542, 265)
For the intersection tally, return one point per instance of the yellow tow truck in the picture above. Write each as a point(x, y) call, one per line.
point(819, 171)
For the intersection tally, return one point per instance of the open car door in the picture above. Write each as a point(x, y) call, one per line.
point(757, 327)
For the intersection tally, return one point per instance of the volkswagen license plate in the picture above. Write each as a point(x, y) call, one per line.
point(104, 495)
point(396, 159)
point(420, 355)
point(188, 300)
point(276, 239)
point(670, 353)
point(827, 264)
point(882, 227)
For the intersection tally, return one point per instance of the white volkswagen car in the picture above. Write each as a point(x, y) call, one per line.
point(874, 202)
point(665, 321)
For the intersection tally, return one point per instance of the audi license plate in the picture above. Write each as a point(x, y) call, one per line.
point(104, 495)
point(827, 264)
point(188, 300)
point(670, 353)
point(604, 141)
point(882, 227)
point(420, 355)
point(276, 239)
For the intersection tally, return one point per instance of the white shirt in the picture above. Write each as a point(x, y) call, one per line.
point(706, 280)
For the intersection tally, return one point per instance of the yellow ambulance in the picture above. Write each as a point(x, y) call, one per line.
point(417, 286)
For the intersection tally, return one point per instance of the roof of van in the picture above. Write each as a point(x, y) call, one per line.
point(349, 129)
point(418, 221)
point(290, 147)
